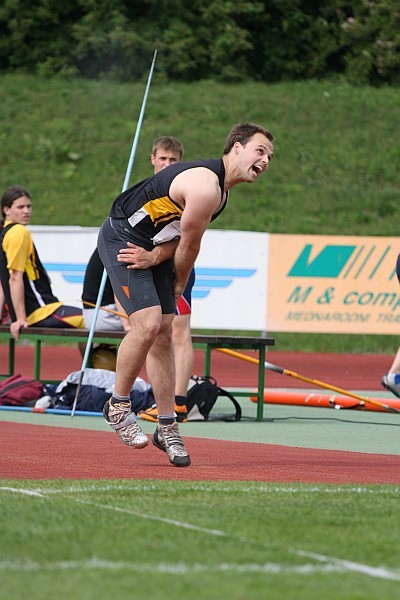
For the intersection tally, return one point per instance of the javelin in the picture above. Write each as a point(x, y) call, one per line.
point(104, 276)
point(315, 382)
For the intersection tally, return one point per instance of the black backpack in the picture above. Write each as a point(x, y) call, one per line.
point(201, 397)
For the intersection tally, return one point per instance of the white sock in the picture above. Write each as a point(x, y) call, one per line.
point(121, 398)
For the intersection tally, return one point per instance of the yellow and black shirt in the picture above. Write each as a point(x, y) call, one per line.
point(18, 253)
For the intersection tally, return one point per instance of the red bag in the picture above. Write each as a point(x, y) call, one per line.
point(17, 390)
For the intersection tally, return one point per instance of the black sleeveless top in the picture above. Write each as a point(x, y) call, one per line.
point(149, 209)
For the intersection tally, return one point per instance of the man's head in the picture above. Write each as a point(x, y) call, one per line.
point(166, 151)
point(243, 132)
point(248, 151)
point(16, 205)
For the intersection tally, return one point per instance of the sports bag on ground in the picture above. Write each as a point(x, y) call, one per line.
point(202, 395)
point(17, 391)
point(92, 398)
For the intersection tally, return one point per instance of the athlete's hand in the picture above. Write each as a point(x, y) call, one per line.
point(136, 257)
point(16, 327)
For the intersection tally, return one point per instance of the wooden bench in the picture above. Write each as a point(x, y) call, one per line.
point(38, 335)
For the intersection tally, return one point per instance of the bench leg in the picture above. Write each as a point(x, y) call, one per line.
point(261, 380)
point(207, 361)
point(11, 356)
point(36, 371)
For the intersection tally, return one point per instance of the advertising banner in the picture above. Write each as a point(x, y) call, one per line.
point(333, 284)
point(230, 291)
point(252, 281)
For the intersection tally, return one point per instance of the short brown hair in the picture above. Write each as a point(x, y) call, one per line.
point(242, 132)
point(169, 143)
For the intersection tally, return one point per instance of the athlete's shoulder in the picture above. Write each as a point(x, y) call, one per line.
point(18, 231)
point(209, 163)
point(169, 173)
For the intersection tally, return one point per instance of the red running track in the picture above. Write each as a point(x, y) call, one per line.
point(24, 448)
point(85, 454)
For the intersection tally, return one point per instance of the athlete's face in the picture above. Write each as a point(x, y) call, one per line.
point(254, 157)
point(163, 158)
point(19, 211)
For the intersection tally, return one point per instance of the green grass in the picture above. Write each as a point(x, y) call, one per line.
point(352, 344)
point(159, 539)
point(335, 169)
point(336, 150)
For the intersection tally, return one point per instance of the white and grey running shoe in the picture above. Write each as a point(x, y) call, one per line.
point(167, 438)
point(120, 417)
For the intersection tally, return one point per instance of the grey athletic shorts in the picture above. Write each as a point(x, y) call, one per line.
point(135, 288)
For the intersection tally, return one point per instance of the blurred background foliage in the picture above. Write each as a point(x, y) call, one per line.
point(222, 40)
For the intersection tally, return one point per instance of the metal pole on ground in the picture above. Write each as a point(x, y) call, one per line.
point(104, 276)
point(315, 382)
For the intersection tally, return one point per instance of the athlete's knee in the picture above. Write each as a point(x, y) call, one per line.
point(146, 324)
point(165, 330)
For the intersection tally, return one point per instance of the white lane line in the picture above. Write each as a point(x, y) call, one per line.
point(348, 565)
point(22, 491)
point(179, 568)
point(227, 489)
point(183, 524)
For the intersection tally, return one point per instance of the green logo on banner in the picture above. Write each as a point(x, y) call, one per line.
point(328, 263)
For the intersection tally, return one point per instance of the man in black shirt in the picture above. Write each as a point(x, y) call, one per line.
point(175, 205)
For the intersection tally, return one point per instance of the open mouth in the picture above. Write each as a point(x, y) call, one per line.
point(257, 169)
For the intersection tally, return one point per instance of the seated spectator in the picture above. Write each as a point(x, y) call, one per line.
point(25, 282)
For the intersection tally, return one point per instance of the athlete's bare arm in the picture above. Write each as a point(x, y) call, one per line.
point(197, 191)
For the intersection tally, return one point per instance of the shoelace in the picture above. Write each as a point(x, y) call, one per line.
point(118, 412)
point(172, 439)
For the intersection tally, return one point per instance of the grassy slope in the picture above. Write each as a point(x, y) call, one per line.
point(334, 172)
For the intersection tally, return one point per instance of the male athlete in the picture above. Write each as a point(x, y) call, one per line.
point(173, 206)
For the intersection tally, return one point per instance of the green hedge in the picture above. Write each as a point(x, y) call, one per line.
point(221, 40)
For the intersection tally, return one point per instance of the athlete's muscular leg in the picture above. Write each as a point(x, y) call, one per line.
point(184, 353)
point(145, 326)
point(160, 367)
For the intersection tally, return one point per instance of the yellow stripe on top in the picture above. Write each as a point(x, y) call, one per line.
point(162, 209)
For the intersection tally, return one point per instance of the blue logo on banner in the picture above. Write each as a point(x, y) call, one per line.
point(207, 278)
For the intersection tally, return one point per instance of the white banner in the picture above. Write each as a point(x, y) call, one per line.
point(230, 291)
